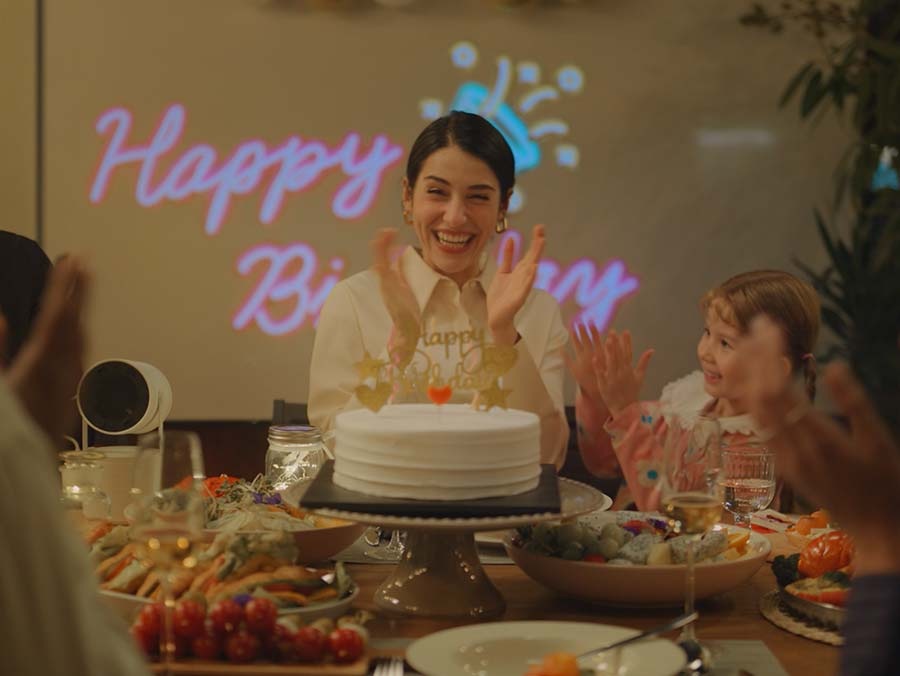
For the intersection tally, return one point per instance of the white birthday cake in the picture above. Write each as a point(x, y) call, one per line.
point(426, 452)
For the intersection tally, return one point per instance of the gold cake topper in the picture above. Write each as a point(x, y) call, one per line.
point(412, 371)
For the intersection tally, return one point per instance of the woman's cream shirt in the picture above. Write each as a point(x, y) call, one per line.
point(354, 320)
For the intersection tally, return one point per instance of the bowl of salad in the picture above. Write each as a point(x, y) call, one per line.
point(630, 558)
point(238, 506)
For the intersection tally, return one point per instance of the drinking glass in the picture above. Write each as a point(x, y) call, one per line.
point(391, 552)
point(747, 481)
point(689, 491)
point(168, 514)
point(82, 499)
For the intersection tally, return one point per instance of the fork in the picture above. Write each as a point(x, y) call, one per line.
point(389, 667)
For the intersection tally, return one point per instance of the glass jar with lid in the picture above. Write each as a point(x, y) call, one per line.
point(81, 497)
point(295, 454)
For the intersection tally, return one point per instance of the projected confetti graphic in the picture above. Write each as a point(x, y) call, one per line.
point(523, 122)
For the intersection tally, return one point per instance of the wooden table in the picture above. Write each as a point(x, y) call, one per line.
point(734, 615)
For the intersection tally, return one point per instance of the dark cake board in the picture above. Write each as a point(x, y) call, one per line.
point(324, 494)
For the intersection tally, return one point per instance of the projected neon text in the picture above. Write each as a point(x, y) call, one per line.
point(291, 280)
point(595, 290)
point(290, 276)
point(297, 163)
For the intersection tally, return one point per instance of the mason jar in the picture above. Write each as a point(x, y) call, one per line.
point(295, 454)
point(81, 497)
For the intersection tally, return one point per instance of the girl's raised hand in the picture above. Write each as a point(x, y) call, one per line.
point(618, 381)
point(586, 343)
point(510, 287)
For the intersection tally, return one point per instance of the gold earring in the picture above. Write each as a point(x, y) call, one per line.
point(502, 225)
point(406, 217)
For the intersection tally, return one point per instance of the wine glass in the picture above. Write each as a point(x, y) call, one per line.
point(747, 481)
point(167, 513)
point(690, 494)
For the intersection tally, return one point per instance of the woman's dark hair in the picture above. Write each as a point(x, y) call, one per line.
point(471, 133)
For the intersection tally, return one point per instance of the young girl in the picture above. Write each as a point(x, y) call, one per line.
point(616, 431)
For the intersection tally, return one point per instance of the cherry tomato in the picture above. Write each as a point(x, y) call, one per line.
point(226, 616)
point(309, 644)
point(345, 645)
point(260, 615)
point(188, 618)
point(151, 617)
point(182, 646)
point(594, 558)
point(279, 645)
point(147, 642)
point(208, 645)
point(241, 646)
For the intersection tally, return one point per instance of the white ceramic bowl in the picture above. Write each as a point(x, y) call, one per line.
point(637, 585)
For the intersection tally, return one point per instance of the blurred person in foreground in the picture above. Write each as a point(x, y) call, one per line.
point(855, 473)
point(24, 268)
point(52, 617)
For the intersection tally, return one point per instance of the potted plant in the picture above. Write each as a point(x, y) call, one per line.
point(857, 74)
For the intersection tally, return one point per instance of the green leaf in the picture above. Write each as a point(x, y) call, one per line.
point(795, 83)
point(815, 92)
point(824, 234)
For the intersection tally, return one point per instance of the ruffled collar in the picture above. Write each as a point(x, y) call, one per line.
point(686, 399)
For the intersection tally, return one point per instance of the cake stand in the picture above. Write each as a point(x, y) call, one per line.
point(439, 573)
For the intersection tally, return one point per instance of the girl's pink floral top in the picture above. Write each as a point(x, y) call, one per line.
point(639, 431)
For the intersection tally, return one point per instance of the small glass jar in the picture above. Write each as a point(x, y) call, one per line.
point(296, 452)
point(81, 498)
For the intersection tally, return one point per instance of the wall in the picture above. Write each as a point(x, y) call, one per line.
point(687, 171)
point(18, 127)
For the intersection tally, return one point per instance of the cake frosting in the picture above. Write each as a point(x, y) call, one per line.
point(426, 452)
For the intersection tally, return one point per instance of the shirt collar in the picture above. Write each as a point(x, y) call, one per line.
point(423, 279)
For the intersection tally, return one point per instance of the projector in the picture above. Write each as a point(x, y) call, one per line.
point(117, 397)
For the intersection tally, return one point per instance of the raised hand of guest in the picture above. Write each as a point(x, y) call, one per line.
point(46, 371)
point(855, 473)
point(398, 298)
point(586, 343)
point(510, 287)
point(618, 381)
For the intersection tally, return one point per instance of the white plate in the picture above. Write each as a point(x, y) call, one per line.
point(509, 648)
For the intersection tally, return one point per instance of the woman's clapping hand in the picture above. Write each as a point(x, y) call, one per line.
point(511, 286)
point(398, 298)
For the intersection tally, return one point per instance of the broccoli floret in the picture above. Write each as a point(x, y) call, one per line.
point(785, 569)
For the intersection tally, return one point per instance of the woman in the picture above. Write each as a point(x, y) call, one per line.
point(459, 179)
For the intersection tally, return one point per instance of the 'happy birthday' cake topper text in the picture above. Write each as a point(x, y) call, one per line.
point(411, 371)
